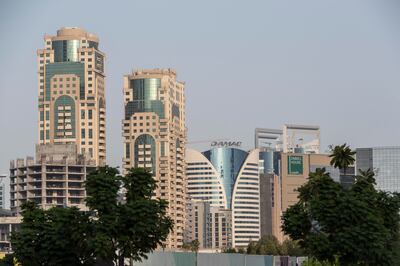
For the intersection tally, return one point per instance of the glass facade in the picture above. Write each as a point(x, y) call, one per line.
point(66, 68)
point(66, 50)
point(145, 97)
point(384, 161)
point(267, 162)
point(228, 162)
point(387, 168)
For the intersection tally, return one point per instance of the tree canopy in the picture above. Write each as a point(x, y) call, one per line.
point(118, 225)
point(342, 156)
point(357, 226)
point(52, 237)
point(269, 245)
point(193, 246)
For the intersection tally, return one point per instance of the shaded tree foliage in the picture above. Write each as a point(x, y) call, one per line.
point(193, 246)
point(118, 226)
point(132, 227)
point(52, 237)
point(269, 245)
point(342, 156)
point(8, 260)
point(356, 226)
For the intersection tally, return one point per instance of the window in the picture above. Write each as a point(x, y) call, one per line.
point(90, 133)
point(90, 114)
point(82, 133)
point(127, 150)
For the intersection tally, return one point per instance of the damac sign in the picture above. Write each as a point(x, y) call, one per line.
point(226, 144)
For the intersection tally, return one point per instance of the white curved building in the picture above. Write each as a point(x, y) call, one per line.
point(228, 178)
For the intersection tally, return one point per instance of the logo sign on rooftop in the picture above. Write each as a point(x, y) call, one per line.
point(226, 144)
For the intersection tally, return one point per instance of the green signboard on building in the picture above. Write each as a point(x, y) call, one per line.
point(295, 165)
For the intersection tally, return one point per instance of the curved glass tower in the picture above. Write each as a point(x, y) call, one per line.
point(227, 162)
point(228, 178)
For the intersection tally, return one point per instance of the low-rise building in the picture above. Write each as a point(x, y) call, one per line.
point(211, 226)
point(55, 178)
point(8, 224)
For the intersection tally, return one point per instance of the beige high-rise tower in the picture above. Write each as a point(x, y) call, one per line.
point(71, 92)
point(154, 137)
point(71, 123)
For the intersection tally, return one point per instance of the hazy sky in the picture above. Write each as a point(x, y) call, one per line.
point(246, 64)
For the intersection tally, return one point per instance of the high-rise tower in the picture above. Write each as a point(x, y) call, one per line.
point(154, 137)
point(71, 123)
point(71, 92)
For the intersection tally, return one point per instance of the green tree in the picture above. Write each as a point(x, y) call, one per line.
point(356, 226)
point(195, 245)
point(315, 262)
point(229, 250)
point(252, 248)
point(342, 157)
point(269, 245)
point(8, 260)
point(129, 228)
point(102, 188)
point(291, 248)
point(114, 229)
point(52, 237)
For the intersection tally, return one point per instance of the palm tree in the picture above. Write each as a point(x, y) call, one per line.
point(342, 156)
point(367, 175)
